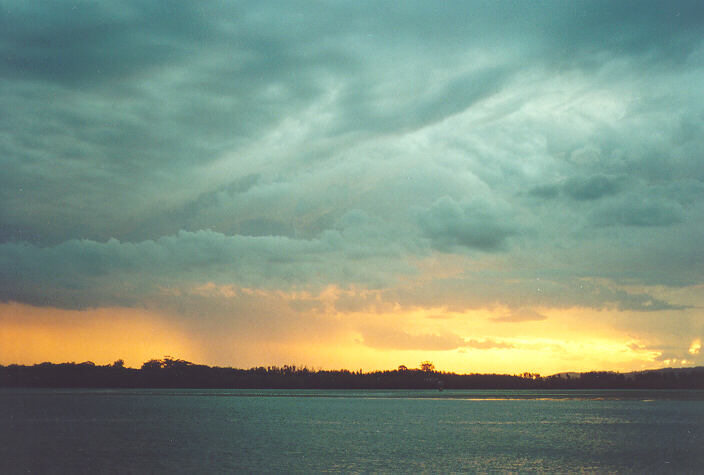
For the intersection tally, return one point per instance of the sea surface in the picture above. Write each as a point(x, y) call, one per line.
point(224, 431)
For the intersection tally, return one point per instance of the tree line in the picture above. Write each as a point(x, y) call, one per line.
point(171, 372)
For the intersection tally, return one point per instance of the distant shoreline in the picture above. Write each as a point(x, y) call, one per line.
point(175, 373)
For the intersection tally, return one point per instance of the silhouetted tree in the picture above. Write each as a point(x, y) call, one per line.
point(176, 373)
point(427, 366)
point(152, 364)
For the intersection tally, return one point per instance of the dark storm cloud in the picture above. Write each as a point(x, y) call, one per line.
point(122, 100)
point(637, 213)
point(83, 273)
point(476, 290)
point(591, 188)
point(363, 113)
point(545, 191)
point(470, 225)
point(299, 143)
point(88, 43)
point(654, 30)
point(580, 188)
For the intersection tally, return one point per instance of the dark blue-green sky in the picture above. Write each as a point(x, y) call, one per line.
point(467, 181)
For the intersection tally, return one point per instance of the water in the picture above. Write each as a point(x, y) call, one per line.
point(195, 431)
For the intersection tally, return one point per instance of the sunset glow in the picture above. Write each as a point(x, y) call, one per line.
point(491, 187)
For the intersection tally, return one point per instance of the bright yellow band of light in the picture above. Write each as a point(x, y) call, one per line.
point(31, 335)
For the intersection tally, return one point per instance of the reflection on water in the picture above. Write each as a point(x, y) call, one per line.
point(307, 430)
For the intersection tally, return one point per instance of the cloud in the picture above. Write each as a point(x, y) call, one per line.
point(84, 273)
point(520, 315)
point(580, 188)
point(591, 188)
point(89, 42)
point(488, 344)
point(645, 213)
point(474, 225)
point(491, 289)
point(544, 155)
point(383, 338)
point(680, 351)
point(545, 191)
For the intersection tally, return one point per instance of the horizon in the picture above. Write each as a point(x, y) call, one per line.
point(488, 185)
point(120, 363)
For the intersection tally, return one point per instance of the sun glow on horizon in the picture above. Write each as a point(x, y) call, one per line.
point(30, 335)
point(456, 342)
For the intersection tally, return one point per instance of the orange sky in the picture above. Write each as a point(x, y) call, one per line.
point(33, 334)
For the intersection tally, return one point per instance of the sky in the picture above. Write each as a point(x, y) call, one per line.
point(493, 186)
